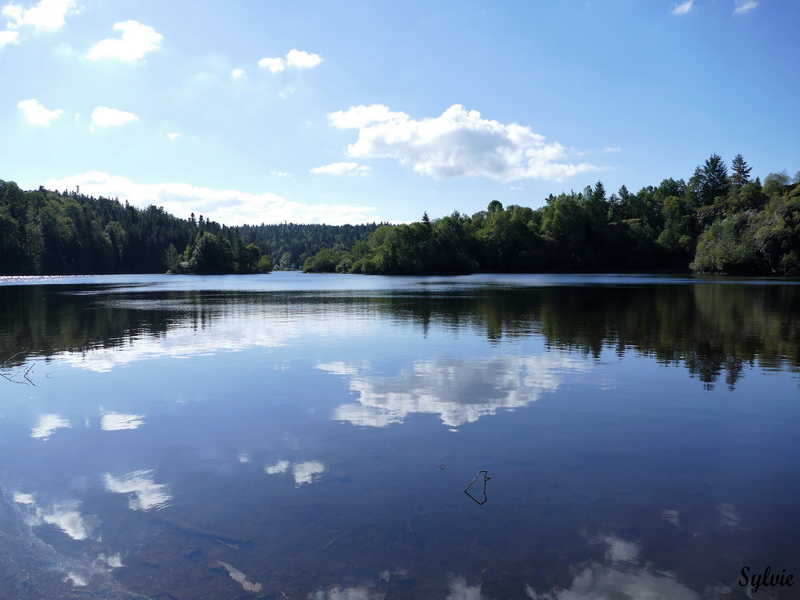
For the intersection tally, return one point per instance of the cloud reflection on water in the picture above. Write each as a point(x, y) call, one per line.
point(305, 472)
point(458, 390)
point(112, 421)
point(144, 493)
point(47, 426)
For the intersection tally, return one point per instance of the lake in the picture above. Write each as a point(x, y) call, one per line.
point(340, 437)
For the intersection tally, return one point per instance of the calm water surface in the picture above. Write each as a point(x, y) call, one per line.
point(311, 436)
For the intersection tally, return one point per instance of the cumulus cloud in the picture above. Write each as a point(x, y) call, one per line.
point(682, 8)
point(302, 59)
point(457, 390)
point(8, 37)
point(231, 207)
point(275, 65)
point(341, 168)
point(238, 74)
point(102, 116)
point(457, 143)
point(136, 41)
point(36, 114)
point(45, 14)
point(299, 59)
point(744, 6)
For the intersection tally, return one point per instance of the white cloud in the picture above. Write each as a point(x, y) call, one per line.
point(303, 473)
point(299, 59)
point(307, 472)
point(608, 149)
point(144, 493)
point(347, 593)
point(744, 6)
point(231, 207)
point(458, 390)
point(682, 8)
point(302, 59)
point(36, 114)
point(136, 41)
point(238, 74)
point(46, 14)
point(359, 116)
point(174, 136)
point(47, 426)
point(102, 116)
point(8, 37)
point(23, 498)
point(117, 421)
point(341, 168)
point(597, 581)
point(67, 518)
point(457, 143)
point(279, 467)
point(275, 65)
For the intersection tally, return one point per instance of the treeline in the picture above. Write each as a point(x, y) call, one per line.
point(290, 244)
point(717, 222)
point(46, 233)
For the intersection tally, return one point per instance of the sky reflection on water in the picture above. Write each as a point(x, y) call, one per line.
point(242, 443)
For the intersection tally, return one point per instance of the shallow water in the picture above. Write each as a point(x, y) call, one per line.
point(312, 436)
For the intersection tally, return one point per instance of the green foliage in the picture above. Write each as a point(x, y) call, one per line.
point(712, 224)
point(44, 232)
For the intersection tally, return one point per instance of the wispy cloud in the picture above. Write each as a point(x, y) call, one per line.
point(457, 143)
point(45, 14)
point(232, 207)
point(341, 168)
point(682, 8)
point(744, 6)
point(136, 41)
point(36, 114)
point(299, 59)
point(238, 74)
point(102, 116)
point(608, 149)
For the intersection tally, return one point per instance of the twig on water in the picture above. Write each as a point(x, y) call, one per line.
point(24, 371)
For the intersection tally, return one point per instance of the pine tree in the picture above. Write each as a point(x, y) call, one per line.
point(741, 173)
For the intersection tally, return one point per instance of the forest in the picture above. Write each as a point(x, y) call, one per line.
point(44, 232)
point(719, 222)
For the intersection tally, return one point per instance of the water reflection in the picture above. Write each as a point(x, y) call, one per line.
point(714, 330)
point(243, 403)
point(142, 490)
point(303, 473)
point(112, 421)
point(459, 391)
point(47, 426)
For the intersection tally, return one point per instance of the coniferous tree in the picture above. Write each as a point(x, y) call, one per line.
point(741, 173)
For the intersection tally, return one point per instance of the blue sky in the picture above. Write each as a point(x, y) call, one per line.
point(334, 112)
